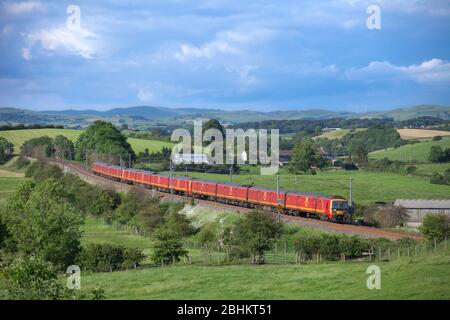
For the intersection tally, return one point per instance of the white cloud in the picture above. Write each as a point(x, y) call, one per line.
point(207, 50)
point(26, 54)
point(434, 70)
point(23, 7)
point(79, 41)
point(229, 42)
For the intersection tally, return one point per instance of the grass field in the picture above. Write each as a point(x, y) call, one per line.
point(337, 134)
point(424, 277)
point(421, 133)
point(368, 187)
point(17, 137)
point(409, 152)
point(8, 185)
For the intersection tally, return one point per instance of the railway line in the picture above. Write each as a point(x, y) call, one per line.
point(349, 229)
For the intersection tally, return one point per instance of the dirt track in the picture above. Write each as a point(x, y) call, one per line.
point(88, 176)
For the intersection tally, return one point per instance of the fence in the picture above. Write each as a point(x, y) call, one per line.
point(283, 252)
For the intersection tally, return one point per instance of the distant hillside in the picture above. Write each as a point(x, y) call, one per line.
point(400, 114)
point(148, 116)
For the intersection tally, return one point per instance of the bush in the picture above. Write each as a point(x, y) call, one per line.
point(437, 138)
point(411, 169)
point(33, 279)
point(40, 171)
point(255, 234)
point(167, 247)
point(385, 217)
point(435, 227)
point(22, 162)
point(107, 257)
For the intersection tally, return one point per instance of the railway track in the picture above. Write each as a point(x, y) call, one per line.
point(349, 229)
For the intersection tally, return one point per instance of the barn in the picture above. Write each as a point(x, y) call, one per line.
point(418, 208)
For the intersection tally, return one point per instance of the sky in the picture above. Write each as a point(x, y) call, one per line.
point(226, 54)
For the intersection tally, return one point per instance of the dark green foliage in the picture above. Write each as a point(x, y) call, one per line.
point(254, 235)
point(374, 138)
point(304, 156)
point(178, 223)
point(411, 169)
point(64, 148)
point(108, 258)
point(167, 247)
point(33, 278)
point(40, 171)
point(22, 162)
point(436, 227)
point(90, 199)
point(106, 141)
point(436, 154)
point(437, 138)
point(40, 148)
point(437, 178)
point(6, 150)
point(41, 220)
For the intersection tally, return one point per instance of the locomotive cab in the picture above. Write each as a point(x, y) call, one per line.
point(339, 209)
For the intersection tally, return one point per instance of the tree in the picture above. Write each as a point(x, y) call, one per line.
point(41, 220)
point(436, 154)
point(385, 217)
point(255, 234)
point(64, 147)
point(167, 247)
point(41, 147)
point(33, 278)
point(359, 153)
point(106, 141)
point(305, 155)
point(436, 227)
point(6, 150)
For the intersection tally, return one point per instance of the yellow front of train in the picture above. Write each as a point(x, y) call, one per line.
point(339, 209)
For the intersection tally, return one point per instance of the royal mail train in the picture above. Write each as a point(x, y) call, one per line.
point(326, 207)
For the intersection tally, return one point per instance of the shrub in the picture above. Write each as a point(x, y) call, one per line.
point(107, 257)
point(386, 216)
point(167, 247)
point(436, 227)
point(33, 279)
point(437, 138)
point(411, 169)
point(22, 162)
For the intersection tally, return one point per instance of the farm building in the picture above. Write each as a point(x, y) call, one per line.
point(417, 209)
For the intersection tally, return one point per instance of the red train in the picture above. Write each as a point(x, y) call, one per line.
point(333, 208)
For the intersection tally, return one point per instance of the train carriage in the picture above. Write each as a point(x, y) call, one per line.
point(180, 184)
point(265, 197)
point(204, 189)
point(233, 194)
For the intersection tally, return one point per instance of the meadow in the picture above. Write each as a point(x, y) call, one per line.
point(424, 277)
point(17, 137)
point(368, 187)
point(409, 152)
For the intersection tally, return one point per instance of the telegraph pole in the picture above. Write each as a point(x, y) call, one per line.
point(129, 160)
point(351, 193)
point(231, 174)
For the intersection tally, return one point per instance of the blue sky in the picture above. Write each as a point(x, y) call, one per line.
point(260, 55)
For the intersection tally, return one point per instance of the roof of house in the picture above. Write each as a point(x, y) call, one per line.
point(423, 204)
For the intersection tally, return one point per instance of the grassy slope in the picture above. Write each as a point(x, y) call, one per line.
point(338, 134)
point(418, 278)
point(17, 137)
point(367, 186)
point(418, 151)
point(10, 178)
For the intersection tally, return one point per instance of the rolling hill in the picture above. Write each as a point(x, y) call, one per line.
point(150, 115)
point(418, 151)
point(17, 137)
